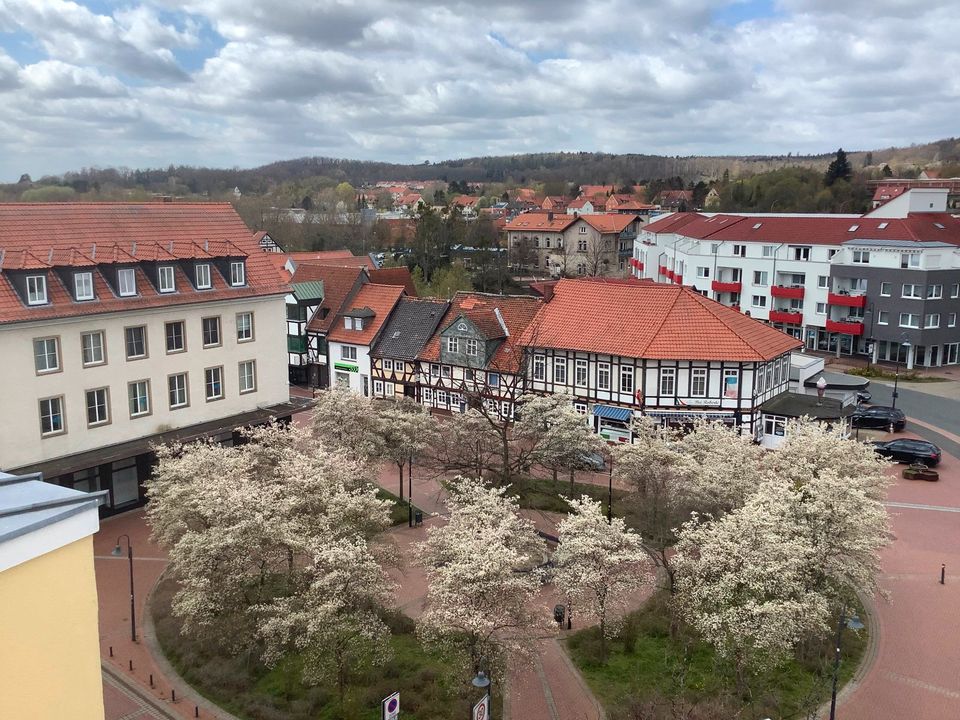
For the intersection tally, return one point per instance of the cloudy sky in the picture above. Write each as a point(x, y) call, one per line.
point(244, 82)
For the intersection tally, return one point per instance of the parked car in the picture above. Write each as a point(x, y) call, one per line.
point(592, 461)
point(905, 450)
point(879, 416)
point(864, 397)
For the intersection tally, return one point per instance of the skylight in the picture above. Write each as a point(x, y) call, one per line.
point(940, 225)
point(882, 226)
point(853, 228)
point(757, 226)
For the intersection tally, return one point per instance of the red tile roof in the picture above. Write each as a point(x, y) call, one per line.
point(338, 282)
point(594, 190)
point(399, 276)
point(671, 222)
point(35, 236)
point(651, 320)
point(883, 193)
point(540, 221)
point(331, 257)
point(465, 200)
point(517, 312)
point(609, 222)
point(579, 203)
point(378, 298)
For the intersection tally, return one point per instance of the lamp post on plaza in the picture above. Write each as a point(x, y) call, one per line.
point(896, 376)
point(854, 624)
point(118, 552)
point(483, 682)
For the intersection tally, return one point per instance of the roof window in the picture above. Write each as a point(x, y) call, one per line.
point(757, 226)
point(882, 226)
point(940, 225)
point(853, 228)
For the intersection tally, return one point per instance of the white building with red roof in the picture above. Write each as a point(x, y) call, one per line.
point(128, 324)
point(885, 284)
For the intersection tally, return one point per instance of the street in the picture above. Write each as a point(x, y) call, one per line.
point(935, 405)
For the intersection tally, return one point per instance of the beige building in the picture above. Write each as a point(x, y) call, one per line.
point(50, 664)
point(141, 323)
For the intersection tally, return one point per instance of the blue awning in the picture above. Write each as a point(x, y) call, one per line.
point(612, 413)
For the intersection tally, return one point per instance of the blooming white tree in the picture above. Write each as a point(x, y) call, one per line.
point(599, 564)
point(406, 428)
point(253, 532)
point(347, 421)
point(483, 571)
point(554, 435)
point(720, 468)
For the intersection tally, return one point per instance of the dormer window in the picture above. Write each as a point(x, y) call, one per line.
point(83, 285)
point(238, 274)
point(36, 289)
point(358, 323)
point(453, 344)
point(165, 273)
point(126, 282)
point(203, 276)
point(348, 323)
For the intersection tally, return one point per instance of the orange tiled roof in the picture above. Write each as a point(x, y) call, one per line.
point(378, 298)
point(35, 236)
point(540, 221)
point(651, 320)
point(338, 282)
point(399, 276)
point(331, 257)
point(517, 312)
point(609, 222)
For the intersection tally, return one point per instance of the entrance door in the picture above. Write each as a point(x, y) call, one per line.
point(934, 359)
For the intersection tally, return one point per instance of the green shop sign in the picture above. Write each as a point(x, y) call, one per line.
point(346, 366)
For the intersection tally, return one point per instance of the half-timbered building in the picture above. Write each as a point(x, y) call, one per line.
point(393, 358)
point(474, 358)
point(622, 348)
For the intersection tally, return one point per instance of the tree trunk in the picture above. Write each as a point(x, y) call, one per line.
point(400, 465)
point(554, 471)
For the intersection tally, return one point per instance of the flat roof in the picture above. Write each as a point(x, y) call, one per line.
point(28, 504)
point(796, 405)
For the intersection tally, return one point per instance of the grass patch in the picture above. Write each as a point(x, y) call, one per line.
point(399, 509)
point(544, 494)
point(650, 675)
point(906, 376)
point(429, 689)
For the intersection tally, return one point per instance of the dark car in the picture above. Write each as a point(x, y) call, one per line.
point(909, 451)
point(864, 397)
point(879, 416)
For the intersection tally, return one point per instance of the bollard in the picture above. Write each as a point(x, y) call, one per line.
point(151, 679)
point(111, 651)
point(196, 711)
point(131, 665)
point(943, 573)
point(173, 695)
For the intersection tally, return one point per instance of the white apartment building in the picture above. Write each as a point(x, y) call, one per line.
point(818, 277)
point(124, 325)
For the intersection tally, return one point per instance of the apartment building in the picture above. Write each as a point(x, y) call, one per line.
point(128, 324)
point(878, 284)
point(622, 348)
point(393, 358)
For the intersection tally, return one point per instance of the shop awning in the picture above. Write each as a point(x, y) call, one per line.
point(610, 412)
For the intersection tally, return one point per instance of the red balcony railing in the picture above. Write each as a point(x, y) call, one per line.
point(678, 279)
point(785, 316)
point(726, 286)
point(854, 301)
point(847, 328)
point(782, 291)
point(670, 274)
point(663, 270)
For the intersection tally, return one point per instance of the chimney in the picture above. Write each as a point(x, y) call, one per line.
point(548, 292)
point(549, 215)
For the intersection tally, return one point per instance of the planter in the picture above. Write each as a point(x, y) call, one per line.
point(920, 472)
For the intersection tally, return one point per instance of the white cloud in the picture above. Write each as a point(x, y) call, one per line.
point(57, 80)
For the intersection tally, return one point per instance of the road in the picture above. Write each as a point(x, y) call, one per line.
point(933, 406)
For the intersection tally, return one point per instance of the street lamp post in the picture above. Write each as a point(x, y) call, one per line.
point(410, 488)
point(896, 376)
point(854, 624)
point(483, 682)
point(610, 493)
point(118, 552)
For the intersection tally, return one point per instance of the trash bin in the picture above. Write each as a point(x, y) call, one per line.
point(418, 517)
point(558, 613)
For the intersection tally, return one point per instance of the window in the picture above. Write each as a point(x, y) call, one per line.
point(955, 290)
point(858, 284)
point(714, 248)
point(581, 245)
point(769, 250)
point(51, 416)
point(296, 313)
point(136, 341)
point(211, 331)
point(831, 253)
point(580, 407)
point(934, 292)
point(761, 380)
point(801, 253)
point(348, 352)
point(932, 320)
point(539, 367)
point(165, 273)
point(358, 323)
point(453, 344)
point(176, 336)
point(237, 274)
point(774, 425)
point(626, 378)
point(213, 383)
point(908, 260)
point(248, 376)
point(952, 320)
point(203, 276)
point(668, 382)
point(823, 281)
point(244, 327)
point(378, 387)
point(583, 230)
point(698, 382)
point(910, 320)
point(83, 285)
point(138, 394)
point(560, 370)
point(580, 372)
point(885, 289)
point(821, 308)
point(98, 407)
point(126, 282)
point(36, 289)
point(603, 376)
point(883, 317)
point(441, 397)
point(759, 301)
point(731, 383)
point(703, 272)
point(46, 355)
point(472, 348)
point(861, 257)
point(445, 371)
point(739, 250)
point(92, 348)
point(760, 277)
point(493, 380)
point(435, 370)
point(348, 323)
point(912, 291)
point(177, 391)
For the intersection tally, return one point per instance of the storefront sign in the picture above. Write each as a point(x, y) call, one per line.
point(346, 366)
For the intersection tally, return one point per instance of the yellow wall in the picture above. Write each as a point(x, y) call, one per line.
point(49, 638)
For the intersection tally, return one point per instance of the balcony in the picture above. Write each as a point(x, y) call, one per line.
point(296, 343)
point(847, 328)
point(678, 279)
point(663, 270)
point(786, 316)
point(792, 293)
point(719, 286)
point(670, 275)
point(854, 301)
